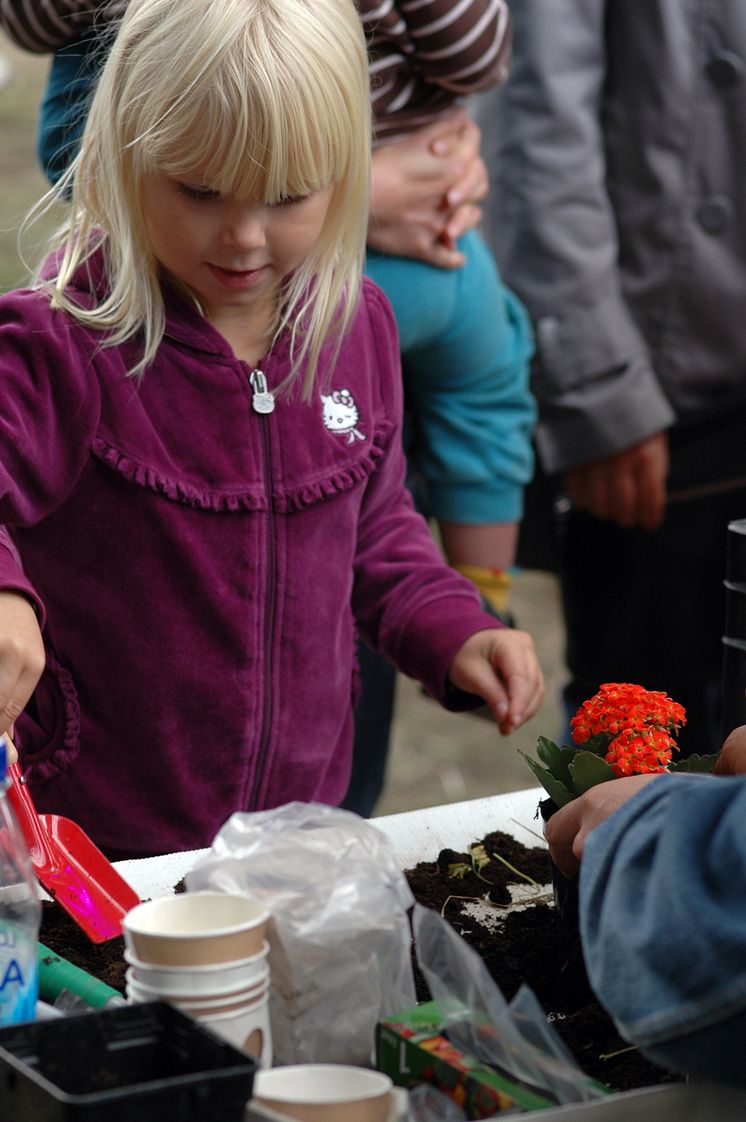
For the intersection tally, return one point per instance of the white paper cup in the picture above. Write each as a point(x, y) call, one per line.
point(218, 977)
point(326, 1093)
point(141, 992)
point(195, 928)
point(247, 1028)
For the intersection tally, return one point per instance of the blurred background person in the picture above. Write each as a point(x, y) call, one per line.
point(620, 219)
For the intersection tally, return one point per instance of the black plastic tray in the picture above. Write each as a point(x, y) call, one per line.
point(133, 1063)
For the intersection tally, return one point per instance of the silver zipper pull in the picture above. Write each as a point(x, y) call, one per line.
point(262, 400)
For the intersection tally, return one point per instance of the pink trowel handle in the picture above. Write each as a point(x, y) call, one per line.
point(28, 818)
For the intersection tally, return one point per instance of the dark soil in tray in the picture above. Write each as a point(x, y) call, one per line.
point(531, 946)
point(63, 936)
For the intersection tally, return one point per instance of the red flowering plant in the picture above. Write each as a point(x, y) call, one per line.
point(622, 730)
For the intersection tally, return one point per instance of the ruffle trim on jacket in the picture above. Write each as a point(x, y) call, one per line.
point(41, 765)
point(288, 499)
point(296, 498)
point(177, 490)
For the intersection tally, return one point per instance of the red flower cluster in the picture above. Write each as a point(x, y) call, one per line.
point(636, 751)
point(638, 723)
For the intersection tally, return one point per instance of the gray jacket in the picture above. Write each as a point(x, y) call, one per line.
point(621, 213)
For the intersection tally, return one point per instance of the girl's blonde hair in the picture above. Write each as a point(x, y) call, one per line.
point(271, 98)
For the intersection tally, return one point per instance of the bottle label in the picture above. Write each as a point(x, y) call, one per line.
point(19, 974)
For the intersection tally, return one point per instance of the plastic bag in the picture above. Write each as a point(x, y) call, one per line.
point(516, 1038)
point(340, 940)
point(427, 1104)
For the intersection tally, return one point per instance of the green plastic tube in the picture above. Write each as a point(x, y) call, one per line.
point(57, 974)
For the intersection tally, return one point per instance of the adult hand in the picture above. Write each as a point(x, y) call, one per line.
point(629, 487)
point(21, 655)
point(568, 828)
point(732, 758)
point(425, 191)
point(500, 665)
point(464, 142)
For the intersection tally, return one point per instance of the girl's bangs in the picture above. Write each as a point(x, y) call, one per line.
point(245, 150)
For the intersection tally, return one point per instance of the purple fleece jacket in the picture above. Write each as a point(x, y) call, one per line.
point(201, 568)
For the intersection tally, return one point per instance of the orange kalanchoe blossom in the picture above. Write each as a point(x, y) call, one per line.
point(637, 751)
point(638, 723)
point(622, 730)
point(621, 705)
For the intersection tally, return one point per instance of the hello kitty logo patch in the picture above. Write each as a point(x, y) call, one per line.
point(341, 414)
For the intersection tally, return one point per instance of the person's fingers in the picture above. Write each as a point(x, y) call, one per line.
point(628, 487)
point(15, 690)
point(444, 256)
point(625, 498)
point(516, 666)
point(444, 136)
point(471, 186)
point(464, 219)
point(652, 500)
point(12, 754)
point(732, 758)
point(561, 833)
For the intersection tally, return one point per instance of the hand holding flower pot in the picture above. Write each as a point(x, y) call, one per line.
point(622, 730)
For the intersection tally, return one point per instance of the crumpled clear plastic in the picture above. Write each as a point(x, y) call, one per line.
point(517, 1038)
point(340, 940)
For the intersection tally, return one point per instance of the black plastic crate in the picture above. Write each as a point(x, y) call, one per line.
point(132, 1063)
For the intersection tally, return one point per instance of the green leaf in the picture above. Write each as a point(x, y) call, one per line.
point(556, 759)
point(694, 763)
point(598, 744)
point(557, 791)
point(587, 770)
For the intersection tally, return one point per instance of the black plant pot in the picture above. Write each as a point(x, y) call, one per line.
point(565, 890)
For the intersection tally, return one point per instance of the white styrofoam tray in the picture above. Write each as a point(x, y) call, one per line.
point(673, 1102)
point(417, 835)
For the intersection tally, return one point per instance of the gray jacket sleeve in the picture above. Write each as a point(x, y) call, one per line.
point(557, 241)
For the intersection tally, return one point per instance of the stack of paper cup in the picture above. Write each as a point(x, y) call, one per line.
point(206, 953)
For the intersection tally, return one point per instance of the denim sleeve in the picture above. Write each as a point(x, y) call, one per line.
point(663, 922)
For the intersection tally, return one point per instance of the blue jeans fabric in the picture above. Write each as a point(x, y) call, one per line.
point(663, 922)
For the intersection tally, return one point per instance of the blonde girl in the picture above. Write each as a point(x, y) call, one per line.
point(201, 475)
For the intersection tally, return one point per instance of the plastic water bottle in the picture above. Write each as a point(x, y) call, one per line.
point(20, 914)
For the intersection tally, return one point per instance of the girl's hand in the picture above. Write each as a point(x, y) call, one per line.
point(21, 655)
point(500, 665)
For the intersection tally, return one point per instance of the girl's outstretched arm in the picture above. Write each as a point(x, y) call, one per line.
point(501, 666)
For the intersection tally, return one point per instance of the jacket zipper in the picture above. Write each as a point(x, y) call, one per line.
point(263, 403)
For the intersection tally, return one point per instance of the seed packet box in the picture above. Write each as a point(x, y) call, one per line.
point(411, 1049)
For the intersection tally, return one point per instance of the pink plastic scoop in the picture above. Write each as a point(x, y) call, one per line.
point(71, 868)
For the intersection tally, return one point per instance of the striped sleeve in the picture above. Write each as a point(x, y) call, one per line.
point(45, 25)
point(425, 53)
